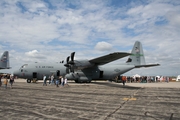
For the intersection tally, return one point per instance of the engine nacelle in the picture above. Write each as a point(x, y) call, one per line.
point(78, 77)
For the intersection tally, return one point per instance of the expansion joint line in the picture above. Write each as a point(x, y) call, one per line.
point(131, 96)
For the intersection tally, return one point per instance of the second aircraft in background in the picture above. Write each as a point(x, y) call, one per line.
point(4, 60)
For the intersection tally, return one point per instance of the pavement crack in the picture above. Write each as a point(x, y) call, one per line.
point(130, 96)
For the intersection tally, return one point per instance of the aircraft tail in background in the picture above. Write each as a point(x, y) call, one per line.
point(137, 57)
point(4, 60)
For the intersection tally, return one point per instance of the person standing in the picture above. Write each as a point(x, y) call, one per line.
point(44, 80)
point(57, 82)
point(65, 82)
point(52, 79)
point(62, 81)
point(5, 82)
point(11, 81)
point(123, 80)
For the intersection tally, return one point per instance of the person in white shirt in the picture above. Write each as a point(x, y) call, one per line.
point(44, 80)
point(62, 81)
point(65, 82)
point(52, 79)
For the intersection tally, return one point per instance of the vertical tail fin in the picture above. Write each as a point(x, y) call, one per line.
point(4, 60)
point(137, 55)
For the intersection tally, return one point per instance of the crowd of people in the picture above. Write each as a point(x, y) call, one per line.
point(61, 81)
point(7, 79)
point(144, 79)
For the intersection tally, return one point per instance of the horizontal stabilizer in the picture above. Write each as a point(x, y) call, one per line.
point(149, 65)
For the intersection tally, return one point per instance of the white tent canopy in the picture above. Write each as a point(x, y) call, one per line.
point(178, 78)
point(136, 75)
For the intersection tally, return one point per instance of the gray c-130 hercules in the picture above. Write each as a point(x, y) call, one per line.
point(86, 70)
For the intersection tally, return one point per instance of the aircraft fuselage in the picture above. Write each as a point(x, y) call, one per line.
point(104, 72)
point(38, 70)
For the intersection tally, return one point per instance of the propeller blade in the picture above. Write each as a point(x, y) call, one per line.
point(72, 56)
point(67, 59)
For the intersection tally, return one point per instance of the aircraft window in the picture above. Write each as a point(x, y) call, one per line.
point(24, 65)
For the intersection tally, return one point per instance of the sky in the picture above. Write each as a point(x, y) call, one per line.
point(49, 30)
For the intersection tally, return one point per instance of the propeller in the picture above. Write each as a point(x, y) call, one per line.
point(70, 64)
point(72, 58)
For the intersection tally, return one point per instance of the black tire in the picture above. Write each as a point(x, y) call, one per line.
point(28, 81)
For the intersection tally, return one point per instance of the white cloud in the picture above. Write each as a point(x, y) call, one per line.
point(35, 54)
point(103, 46)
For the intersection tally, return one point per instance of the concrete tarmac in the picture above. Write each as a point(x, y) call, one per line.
point(100, 100)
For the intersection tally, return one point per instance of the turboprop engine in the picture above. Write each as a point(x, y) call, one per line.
point(78, 77)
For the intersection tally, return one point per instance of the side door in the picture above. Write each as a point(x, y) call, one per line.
point(35, 75)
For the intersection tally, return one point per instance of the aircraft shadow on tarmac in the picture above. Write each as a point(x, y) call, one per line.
point(115, 85)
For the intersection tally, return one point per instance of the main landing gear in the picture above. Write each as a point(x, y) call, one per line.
point(29, 80)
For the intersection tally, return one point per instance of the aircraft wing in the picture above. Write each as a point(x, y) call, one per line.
point(149, 65)
point(109, 58)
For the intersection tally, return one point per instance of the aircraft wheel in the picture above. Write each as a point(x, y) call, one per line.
point(28, 81)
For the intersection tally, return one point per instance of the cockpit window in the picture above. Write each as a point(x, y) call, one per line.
point(24, 66)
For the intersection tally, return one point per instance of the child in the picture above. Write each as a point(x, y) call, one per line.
point(5, 83)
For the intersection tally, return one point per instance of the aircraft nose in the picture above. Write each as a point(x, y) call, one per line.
point(16, 73)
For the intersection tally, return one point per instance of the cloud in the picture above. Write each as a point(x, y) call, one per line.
point(103, 46)
point(174, 18)
point(35, 54)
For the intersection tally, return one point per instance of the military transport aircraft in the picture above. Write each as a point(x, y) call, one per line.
point(86, 70)
point(4, 63)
